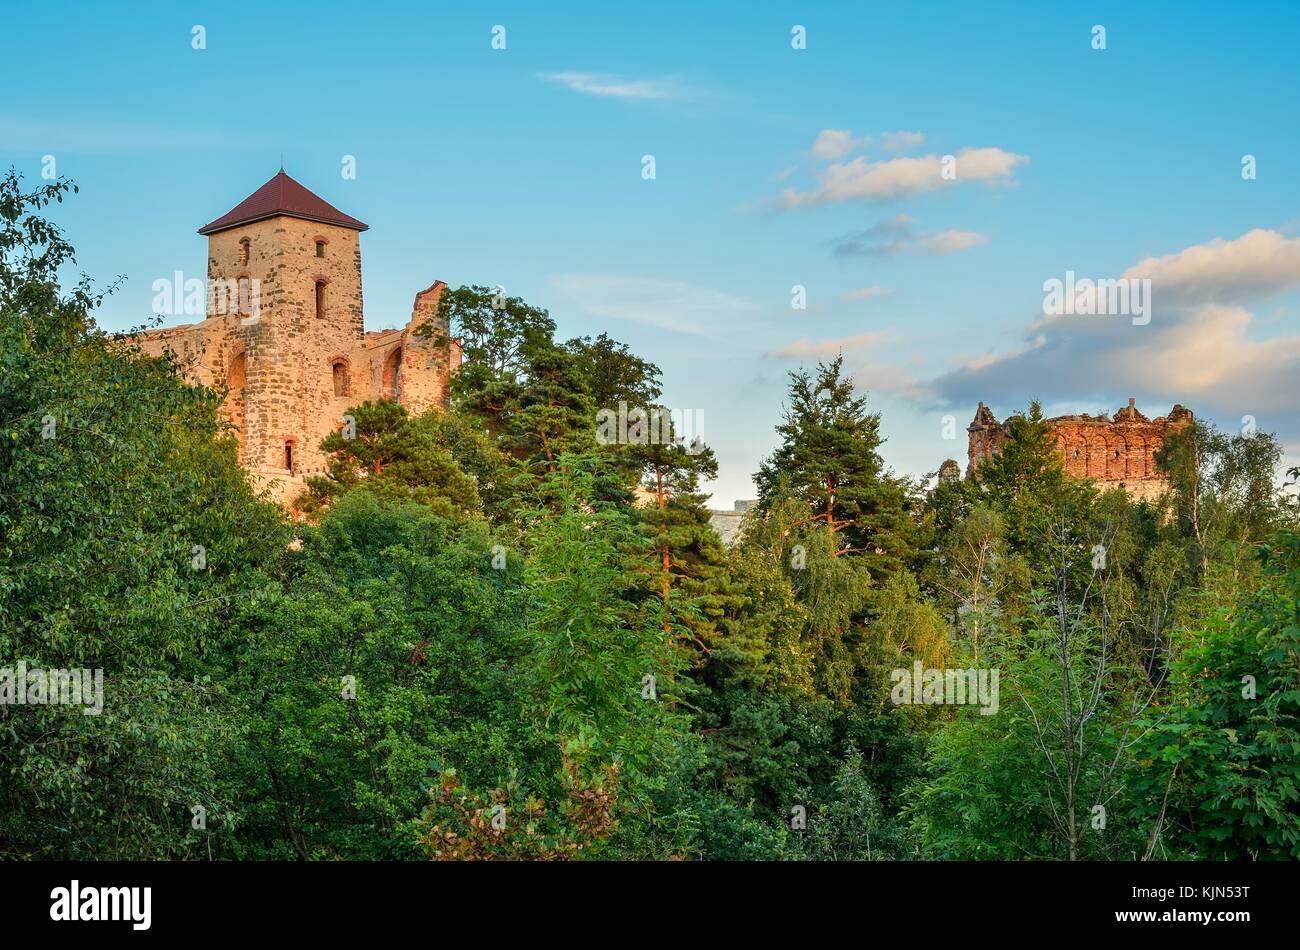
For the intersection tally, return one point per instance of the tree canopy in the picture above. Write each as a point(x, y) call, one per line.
point(492, 632)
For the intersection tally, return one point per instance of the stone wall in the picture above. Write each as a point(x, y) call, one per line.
point(727, 523)
point(1114, 451)
point(295, 358)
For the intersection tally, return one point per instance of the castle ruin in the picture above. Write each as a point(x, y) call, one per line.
point(285, 332)
point(1118, 451)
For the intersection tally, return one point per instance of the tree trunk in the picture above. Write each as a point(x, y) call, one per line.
point(666, 559)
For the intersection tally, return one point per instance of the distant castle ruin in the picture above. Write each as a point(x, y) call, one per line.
point(284, 331)
point(1114, 451)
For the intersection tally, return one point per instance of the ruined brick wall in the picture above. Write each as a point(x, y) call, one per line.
point(427, 362)
point(1114, 451)
point(985, 438)
point(297, 363)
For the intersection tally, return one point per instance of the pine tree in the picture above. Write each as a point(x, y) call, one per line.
point(395, 455)
point(687, 550)
point(1027, 484)
point(1028, 461)
point(614, 373)
point(829, 458)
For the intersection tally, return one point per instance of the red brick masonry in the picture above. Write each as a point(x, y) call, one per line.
point(1114, 451)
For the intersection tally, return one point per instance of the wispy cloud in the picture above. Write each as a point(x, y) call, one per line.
point(668, 305)
point(898, 235)
point(622, 87)
point(890, 378)
point(875, 181)
point(832, 144)
point(808, 348)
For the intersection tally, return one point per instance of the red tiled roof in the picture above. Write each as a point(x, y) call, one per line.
point(282, 195)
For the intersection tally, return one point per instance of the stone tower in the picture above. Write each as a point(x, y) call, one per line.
point(285, 332)
point(294, 263)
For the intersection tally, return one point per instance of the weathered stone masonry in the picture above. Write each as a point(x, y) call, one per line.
point(1113, 451)
point(296, 355)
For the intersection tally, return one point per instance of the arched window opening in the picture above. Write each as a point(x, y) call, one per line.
point(244, 245)
point(288, 455)
point(320, 299)
point(340, 371)
point(393, 376)
point(235, 375)
point(320, 248)
point(235, 399)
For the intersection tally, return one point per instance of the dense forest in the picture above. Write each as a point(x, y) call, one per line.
point(475, 638)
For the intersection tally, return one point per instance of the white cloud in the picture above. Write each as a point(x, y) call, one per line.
point(1198, 348)
point(668, 305)
point(836, 143)
point(1257, 264)
point(621, 87)
point(863, 180)
point(806, 347)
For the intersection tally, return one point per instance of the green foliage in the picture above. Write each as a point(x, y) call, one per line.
point(480, 616)
point(1221, 761)
point(1027, 485)
point(1223, 501)
point(395, 652)
point(529, 394)
point(397, 456)
point(614, 373)
point(688, 552)
point(129, 540)
point(829, 458)
point(498, 335)
point(852, 825)
point(594, 649)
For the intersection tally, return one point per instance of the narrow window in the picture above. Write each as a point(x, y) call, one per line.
point(320, 299)
point(392, 380)
point(244, 303)
point(235, 399)
point(243, 252)
point(320, 248)
point(340, 378)
point(288, 456)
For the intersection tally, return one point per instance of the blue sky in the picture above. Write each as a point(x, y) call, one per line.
point(775, 167)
